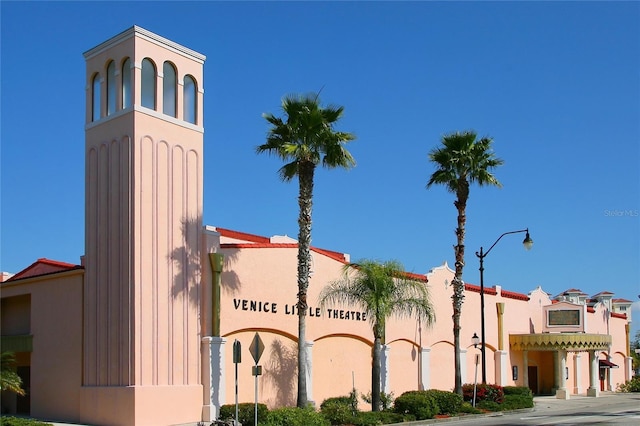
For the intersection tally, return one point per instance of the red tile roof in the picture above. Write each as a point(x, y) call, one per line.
point(43, 266)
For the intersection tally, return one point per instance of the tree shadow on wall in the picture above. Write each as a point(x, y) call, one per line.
point(230, 282)
point(186, 260)
point(281, 373)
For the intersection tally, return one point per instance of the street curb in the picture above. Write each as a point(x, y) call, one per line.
point(467, 417)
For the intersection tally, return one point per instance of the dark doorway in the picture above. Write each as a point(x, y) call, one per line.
point(532, 374)
point(23, 403)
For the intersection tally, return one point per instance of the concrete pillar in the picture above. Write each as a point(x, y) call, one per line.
point(309, 352)
point(502, 377)
point(628, 368)
point(213, 376)
point(593, 389)
point(561, 392)
point(425, 368)
point(384, 369)
point(577, 372)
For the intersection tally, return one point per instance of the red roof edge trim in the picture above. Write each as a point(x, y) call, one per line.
point(476, 288)
point(419, 277)
point(340, 257)
point(514, 295)
point(618, 315)
point(242, 235)
point(331, 254)
point(259, 245)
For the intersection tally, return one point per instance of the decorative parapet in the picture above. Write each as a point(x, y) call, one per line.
point(574, 342)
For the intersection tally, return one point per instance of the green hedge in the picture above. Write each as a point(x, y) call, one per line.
point(447, 402)
point(632, 385)
point(18, 421)
point(246, 411)
point(416, 403)
point(293, 416)
point(338, 411)
point(515, 402)
point(517, 390)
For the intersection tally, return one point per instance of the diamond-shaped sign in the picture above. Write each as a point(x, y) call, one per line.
point(256, 348)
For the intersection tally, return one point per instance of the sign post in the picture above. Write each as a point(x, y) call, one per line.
point(237, 359)
point(256, 348)
point(475, 381)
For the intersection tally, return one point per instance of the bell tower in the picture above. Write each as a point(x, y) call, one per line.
point(143, 221)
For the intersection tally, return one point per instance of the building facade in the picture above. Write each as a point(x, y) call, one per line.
point(142, 331)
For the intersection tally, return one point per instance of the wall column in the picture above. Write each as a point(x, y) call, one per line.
point(500, 358)
point(593, 390)
point(425, 369)
point(213, 377)
point(525, 368)
point(309, 350)
point(561, 380)
point(463, 364)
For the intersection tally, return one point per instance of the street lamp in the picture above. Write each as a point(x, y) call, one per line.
point(527, 243)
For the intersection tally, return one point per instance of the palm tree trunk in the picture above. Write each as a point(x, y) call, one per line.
point(458, 283)
point(305, 202)
point(375, 376)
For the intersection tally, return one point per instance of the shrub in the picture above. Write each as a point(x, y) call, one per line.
point(447, 402)
point(374, 418)
point(467, 408)
point(386, 400)
point(416, 403)
point(337, 411)
point(484, 392)
point(515, 402)
point(488, 405)
point(632, 385)
point(18, 421)
point(293, 416)
point(517, 390)
point(245, 412)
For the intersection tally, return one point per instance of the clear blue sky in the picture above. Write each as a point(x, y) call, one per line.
point(556, 84)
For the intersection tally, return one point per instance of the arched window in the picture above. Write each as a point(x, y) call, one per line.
point(148, 84)
point(111, 88)
point(95, 98)
point(190, 100)
point(169, 89)
point(126, 83)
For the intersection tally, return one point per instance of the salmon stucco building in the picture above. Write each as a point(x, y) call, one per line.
point(141, 332)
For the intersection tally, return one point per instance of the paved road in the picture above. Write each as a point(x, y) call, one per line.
point(608, 409)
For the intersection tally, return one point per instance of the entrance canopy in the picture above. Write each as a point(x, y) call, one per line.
point(573, 342)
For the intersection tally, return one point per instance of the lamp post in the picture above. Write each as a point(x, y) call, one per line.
point(528, 243)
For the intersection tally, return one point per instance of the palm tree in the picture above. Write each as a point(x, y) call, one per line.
point(382, 290)
point(461, 161)
point(9, 379)
point(306, 139)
